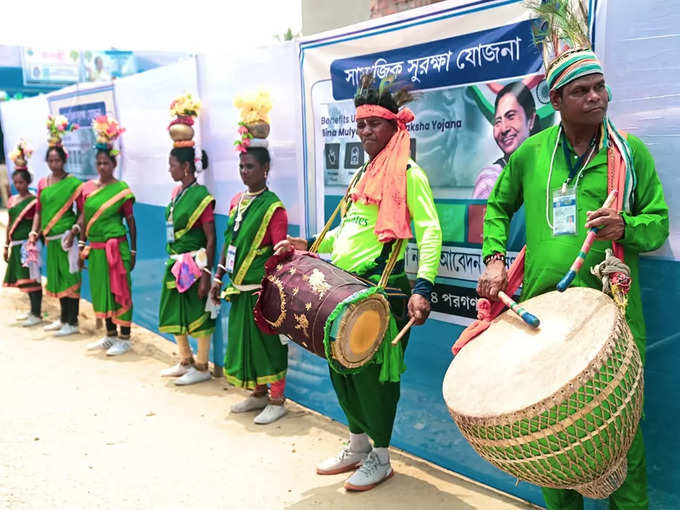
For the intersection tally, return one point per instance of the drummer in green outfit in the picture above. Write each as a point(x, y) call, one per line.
point(21, 210)
point(190, 233)
point(391, 193)
point(573, 158)
point(257, 226)
point(55, 220)
point(107, 201)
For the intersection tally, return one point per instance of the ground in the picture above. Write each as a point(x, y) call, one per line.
point(83, 431)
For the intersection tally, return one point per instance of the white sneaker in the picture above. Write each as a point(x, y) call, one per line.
point(104, 343)
point(31, 320)
point(54, 326)
point(23, 316)
point(371, 473)
point(270, 414)
point(118, 347)
point(250, 404)
point(177, 370)
point(346, 460)
point(193, 376)
point(67, 330)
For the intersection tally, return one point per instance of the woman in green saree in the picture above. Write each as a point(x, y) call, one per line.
point(21, 212)
point(55, 220)
point(190, 231)
point(257, 227)
point(110, 258)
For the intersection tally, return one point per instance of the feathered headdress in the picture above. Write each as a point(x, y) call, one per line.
point(254, 124)
point(58, 126)
point(20, 155)
point(185, 109)
point(107, 130)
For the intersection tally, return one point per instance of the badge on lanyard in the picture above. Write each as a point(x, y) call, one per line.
point(230, 259)
point(564, 211)
point(170, 231)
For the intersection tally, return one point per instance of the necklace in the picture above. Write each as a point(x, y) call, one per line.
point(256, 193)
point(241, 208)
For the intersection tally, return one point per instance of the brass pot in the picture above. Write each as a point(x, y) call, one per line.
point(20, 162)
point(258, 129)
point(181, 132)
point(53, 140)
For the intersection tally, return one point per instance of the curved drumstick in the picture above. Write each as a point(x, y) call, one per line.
point(403, 331)
point(527, 317)
point(585, 248)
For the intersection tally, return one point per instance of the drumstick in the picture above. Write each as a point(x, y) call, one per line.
point(403, 331)
point(585, 248)
point(527, 317)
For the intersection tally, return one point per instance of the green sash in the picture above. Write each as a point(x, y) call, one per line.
point(102, 211)
point(19, 226)
point(185, 213)
point(56, 203)
point(250, 257)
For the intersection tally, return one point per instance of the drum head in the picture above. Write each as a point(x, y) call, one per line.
point(511, 366)
point(361, 330)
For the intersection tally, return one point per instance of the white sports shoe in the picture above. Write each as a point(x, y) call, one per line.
point(104, 343)
point(346, 460)
point(67, 330)
point(252, 403)
point(31, 320)
point(177, 370)
point(193, 376)
point(371, 473)
point(270, 414)
point(23, 316)
point(54, 326)
point(118, 347)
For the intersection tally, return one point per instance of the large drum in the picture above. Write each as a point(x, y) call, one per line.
point(556, 406)
point(326, 310)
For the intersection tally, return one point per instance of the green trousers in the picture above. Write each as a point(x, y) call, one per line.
point(632, 495)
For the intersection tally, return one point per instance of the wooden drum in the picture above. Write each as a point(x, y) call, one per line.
point(326, 310)
point(556, 406)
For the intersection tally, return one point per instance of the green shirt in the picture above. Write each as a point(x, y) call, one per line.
point(548, 258)
point(354, 246)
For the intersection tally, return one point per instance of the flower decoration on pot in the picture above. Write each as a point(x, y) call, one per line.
point(254, 125)
point(20, 155)
point(58, 126)
point(107, 131)
point(185, 109)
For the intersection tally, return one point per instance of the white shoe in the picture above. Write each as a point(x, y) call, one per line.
point(54, 326)
point(23, 316)
point(250, 404)
point(371, 473)
point(104, 343)
point(346, 460)
point(270, 414)
point(177, 370)
point(67, 330)
point(193, 376)
point(31, 320)
point(118, 347)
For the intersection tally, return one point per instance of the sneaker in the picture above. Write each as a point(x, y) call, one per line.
point(270, 414)
point(346, 460)
point(371, 473)
point(104, 343)
point(177, 370)
point(118, 347)
point(54, 326)
point(252, 403)
point(67, 330)
point(23, 316)
point(193, 376)
point(31, 320)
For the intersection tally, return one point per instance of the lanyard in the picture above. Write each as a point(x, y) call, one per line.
point(581, 162)
point(175, 200)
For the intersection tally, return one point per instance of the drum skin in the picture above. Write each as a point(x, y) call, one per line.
point(299, 294)
point(558, 406)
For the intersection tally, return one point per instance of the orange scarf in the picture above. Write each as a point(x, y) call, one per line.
point(384, 182)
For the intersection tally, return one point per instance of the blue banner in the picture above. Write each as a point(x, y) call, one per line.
point(494, 54)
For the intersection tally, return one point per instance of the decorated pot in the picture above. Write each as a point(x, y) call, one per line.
point(258, 129)
point(181, 132)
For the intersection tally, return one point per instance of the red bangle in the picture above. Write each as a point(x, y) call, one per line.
point(495, 256)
